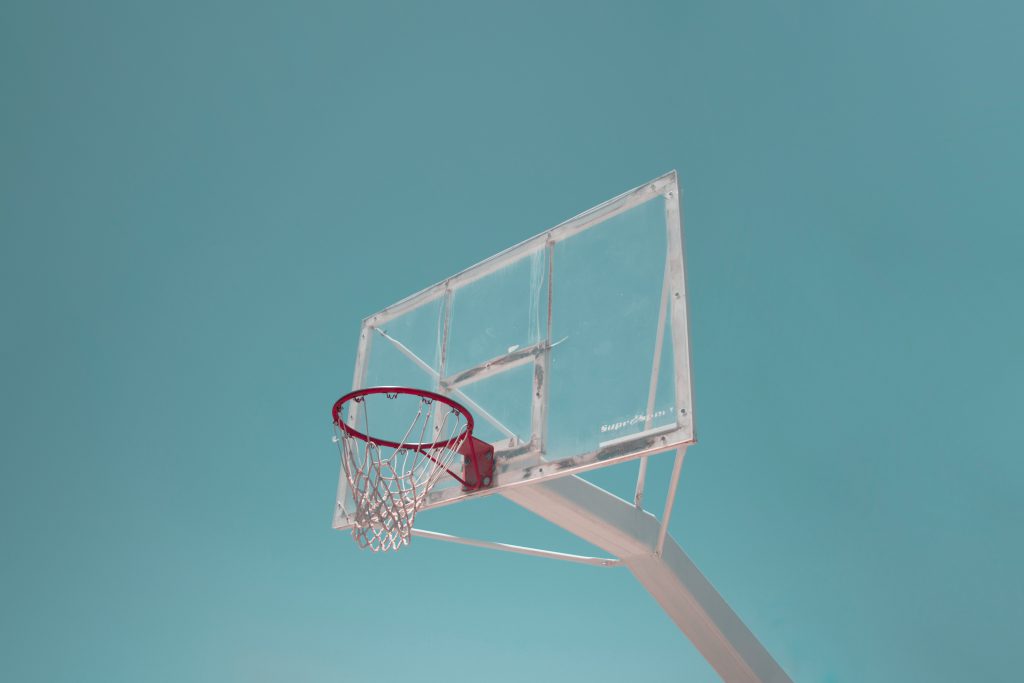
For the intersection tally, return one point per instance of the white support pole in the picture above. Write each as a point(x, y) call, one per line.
point(622, 530)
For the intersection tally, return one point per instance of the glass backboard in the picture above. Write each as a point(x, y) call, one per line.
point(569, 349)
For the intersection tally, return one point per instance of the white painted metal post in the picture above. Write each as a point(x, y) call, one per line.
point(622, 530)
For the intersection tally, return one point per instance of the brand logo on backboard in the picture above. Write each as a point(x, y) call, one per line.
point(636, 419)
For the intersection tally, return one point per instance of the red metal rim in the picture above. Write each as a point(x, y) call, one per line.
point(408, 391)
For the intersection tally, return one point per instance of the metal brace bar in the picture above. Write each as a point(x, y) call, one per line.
point(495, 365)
point(652, 392)
point(673, 484)
point(536, 552)
point(341, 515)
point(442, 356)
point(542, 368)
point(677, 303)
point(477, 410)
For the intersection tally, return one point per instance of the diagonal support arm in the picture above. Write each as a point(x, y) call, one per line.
point(626, 532)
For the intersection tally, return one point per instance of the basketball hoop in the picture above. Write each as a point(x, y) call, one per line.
point(389, 478)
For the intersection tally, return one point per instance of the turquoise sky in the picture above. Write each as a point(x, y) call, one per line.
point(200, 201)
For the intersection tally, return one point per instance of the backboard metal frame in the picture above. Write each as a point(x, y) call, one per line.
point(521, 463)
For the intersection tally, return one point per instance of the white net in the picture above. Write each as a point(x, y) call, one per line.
point(389, 478)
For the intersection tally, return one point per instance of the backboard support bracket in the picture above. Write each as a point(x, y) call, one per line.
point(672, 579)
point(518, 549)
